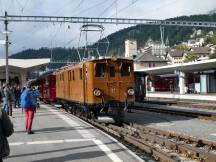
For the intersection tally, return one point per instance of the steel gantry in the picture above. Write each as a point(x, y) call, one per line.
point(98, 20)
point(94, 20)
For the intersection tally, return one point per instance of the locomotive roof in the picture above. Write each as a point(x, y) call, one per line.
point(94, 60)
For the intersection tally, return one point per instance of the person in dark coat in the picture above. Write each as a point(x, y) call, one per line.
point(6, 130)
point(17, 93)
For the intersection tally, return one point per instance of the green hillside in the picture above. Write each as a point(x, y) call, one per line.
point(139, 32)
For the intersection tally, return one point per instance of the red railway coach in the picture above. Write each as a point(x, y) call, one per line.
point(47, 86)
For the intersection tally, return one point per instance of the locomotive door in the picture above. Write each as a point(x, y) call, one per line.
point(113, 81)
point(69, 83)
point(85, 82)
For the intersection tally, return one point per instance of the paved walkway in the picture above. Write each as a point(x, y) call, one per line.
point(195, 97)
point(62, 137)
point(202, 129)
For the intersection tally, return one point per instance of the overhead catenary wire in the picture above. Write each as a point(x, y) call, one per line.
point(75, 8)
point(2, 8)
point(106, 9)
point(23, 8)
point(126, 7)
point(90, 8)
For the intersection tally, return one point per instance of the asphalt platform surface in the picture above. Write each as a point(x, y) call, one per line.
point(60, 136)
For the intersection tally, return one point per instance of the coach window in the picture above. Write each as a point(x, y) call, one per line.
point(80, 73)
point(125, 69)
point(112, 71)
point(100, 69)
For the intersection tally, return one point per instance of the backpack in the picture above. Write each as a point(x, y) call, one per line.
point(25, 99)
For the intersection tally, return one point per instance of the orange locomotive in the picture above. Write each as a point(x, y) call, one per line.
point(100, 89)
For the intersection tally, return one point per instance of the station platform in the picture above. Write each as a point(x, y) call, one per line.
point(182, 97)
point(60, 136)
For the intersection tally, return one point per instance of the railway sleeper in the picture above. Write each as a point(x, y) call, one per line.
point(151, 150)
point(195, 141)
point(196, 153)
point(160, 140)
point(164, 157)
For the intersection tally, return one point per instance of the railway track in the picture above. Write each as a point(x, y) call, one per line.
point(161, 145)
point(199, 115)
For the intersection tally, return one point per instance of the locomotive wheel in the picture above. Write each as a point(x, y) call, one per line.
point(92, 115)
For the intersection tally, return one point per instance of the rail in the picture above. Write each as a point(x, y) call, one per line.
point(161, 145)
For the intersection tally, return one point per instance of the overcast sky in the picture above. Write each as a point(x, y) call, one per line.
point(36, 35)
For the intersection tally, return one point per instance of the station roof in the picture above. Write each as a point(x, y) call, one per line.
point(147, 57)
point(186, 67)
point(24, 63)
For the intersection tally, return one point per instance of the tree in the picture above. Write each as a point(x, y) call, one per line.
point(191, 57)
point(211, 40)
point(181, 47)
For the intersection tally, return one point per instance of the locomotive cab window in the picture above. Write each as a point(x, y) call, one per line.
point(112, 71)
point(73, 75)
point(100, 69)
point(125, 69)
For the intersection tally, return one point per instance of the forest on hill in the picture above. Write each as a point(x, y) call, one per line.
point(141, 33)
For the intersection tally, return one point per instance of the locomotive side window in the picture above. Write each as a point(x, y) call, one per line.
point(73, 75)
point(100, 69)
point(80, 73)
point(125, 69)
point(112, 71)
point(69, 75)
point(62, 76)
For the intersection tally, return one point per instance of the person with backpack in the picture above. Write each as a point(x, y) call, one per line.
point(28, 103)
point(6, 130)
point(6, 98)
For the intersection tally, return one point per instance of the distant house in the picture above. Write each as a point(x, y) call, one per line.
point(202, 52)
point(147, 60)
point(176, 56)
point(196, 42)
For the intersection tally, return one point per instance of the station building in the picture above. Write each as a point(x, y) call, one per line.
point(19, 69)
point(194, 77)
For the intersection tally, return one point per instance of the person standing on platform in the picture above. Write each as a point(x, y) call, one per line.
point(6, 130)
point(29, 104)
point(36, 95)
point(5, 97)
point(11, 100)
point(17, 93)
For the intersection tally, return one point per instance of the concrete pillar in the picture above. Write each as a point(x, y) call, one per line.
point(146, 84)
point(181, 82)
point(23, 77)
point(203, 83)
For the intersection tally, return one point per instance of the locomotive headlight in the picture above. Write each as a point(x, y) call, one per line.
point(97, 92)
point(130, 91)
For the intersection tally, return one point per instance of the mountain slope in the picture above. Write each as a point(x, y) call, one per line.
point(139, 32)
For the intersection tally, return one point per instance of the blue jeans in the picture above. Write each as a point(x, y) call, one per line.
point(6, 106)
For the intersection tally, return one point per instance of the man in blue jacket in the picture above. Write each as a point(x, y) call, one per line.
point(28, 103)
